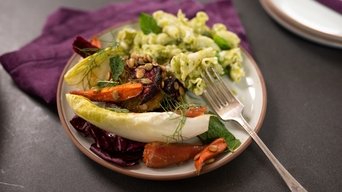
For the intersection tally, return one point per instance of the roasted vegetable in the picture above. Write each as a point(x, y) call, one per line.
point(111, 147)
point(152, 89)
point(92, 69)
point(83, 47)
point(134, 105)
point(143, 127)
point(195, 111)
point(173, 88)
point(151, 95)
point(112, 94)
point(213, 149)
point(96, 42)
point(159, 155)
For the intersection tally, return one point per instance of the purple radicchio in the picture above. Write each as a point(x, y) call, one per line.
point(108, 146)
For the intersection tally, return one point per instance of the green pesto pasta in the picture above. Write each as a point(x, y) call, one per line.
point(187, 46)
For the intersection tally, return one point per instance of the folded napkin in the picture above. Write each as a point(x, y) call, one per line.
point(333, 4)
point(37, 66)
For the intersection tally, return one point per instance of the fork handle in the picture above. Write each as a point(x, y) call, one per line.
point(291, 182)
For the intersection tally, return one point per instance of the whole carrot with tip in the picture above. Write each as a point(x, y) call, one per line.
point(213, 149)
point(112, 94)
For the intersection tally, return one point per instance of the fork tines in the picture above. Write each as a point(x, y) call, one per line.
point(217, 93)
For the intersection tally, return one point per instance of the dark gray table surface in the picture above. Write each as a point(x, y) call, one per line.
point(302, 126)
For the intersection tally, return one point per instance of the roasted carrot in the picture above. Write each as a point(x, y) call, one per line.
point(112, 94)
point(159, 155)
point(192, 111)
point(214, 148)
point(195, 111)
point(96, 42)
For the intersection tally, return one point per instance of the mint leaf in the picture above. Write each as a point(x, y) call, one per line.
point(116, 66)
point(221, 42)
point(218, 129)
point(148, 24)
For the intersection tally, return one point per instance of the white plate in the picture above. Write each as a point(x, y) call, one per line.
point(307, 18)
point(251, 91)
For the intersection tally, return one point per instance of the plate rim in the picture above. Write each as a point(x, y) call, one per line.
point(299, 28)
point(126, 171)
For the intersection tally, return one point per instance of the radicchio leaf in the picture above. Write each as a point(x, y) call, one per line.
point(108, 146)
point(83, 47)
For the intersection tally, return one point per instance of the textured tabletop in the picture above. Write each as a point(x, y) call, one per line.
point(302, 127)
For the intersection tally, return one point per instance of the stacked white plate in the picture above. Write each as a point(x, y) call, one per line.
point(307, 18)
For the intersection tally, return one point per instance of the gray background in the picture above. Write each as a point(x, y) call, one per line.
point(302, 125)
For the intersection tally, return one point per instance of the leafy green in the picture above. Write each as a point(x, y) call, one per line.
point(116, 66)
point(227, 70)
point(102, 84)
point(221, 42)
point(217, 129)
point(148, 24)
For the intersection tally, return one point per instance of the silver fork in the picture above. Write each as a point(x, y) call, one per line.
point(228, 107)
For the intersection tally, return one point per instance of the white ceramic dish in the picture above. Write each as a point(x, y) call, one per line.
point(251, 91)
point(307, 18)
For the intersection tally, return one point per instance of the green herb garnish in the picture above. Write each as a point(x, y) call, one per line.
point(218, 129)
point(116, 66)
point(221, 42)
point(89, 69)
point(168, 104)
point(179, 107)
point(102, 84)
point(148, 24)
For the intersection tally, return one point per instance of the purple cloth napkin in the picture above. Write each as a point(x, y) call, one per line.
point(37, 66)
point(333, 4)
